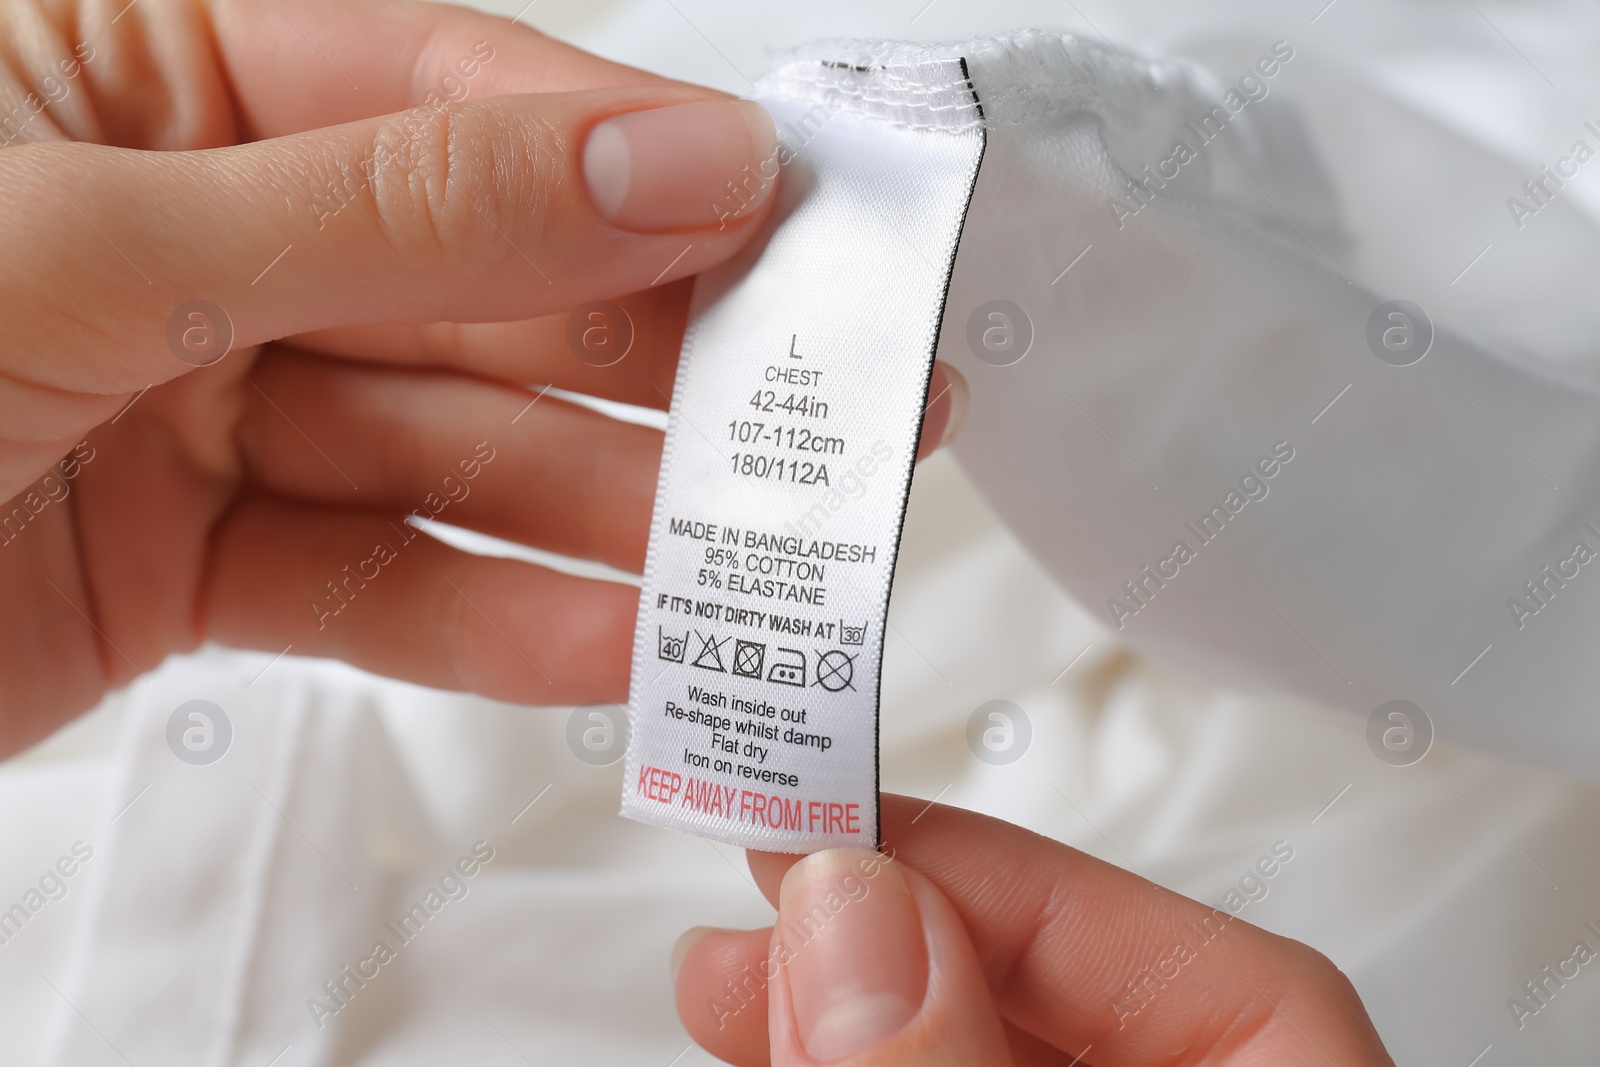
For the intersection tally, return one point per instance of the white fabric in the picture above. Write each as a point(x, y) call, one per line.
point(1189, 353)
point(1426, 883)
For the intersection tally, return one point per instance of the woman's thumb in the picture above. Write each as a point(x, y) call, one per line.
point(874, 969)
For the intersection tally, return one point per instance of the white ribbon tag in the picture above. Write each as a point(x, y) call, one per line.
point(788, 457)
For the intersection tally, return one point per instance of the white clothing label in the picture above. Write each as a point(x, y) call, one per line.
point(789, 450)
point(1201, 426)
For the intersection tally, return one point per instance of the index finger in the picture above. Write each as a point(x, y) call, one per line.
point(302, 64)
point(479, 211)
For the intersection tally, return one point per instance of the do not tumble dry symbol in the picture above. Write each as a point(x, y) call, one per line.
point(748, 657)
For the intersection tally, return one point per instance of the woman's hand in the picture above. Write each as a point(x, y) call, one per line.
point(261, 500)
point(354, 177)
point(980, 943)
point(188, 184)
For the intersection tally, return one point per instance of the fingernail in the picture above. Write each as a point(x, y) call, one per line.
point(856, 961)
point(959, 399)
point(681, 949)
point(684, 167)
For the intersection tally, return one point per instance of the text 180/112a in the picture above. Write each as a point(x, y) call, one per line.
point(799, 471)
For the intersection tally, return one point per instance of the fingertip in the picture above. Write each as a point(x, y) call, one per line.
point(948, 399)
point(682, 167)
point(850, 937)
point(959, 1012)
point(959, 398)
point(768, 869)
point(876, 968)
point(763, 131)
point(680, 949)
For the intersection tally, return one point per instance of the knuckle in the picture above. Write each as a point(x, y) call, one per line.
point(411, 174)
point(449, 182)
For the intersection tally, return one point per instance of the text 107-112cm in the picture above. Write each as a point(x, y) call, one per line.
point(794, 438)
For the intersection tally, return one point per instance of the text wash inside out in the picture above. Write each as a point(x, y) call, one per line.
point(801, 655)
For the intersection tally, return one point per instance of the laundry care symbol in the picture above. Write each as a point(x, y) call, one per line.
point(710, 655)
point(788, 667)
point(748, 657)
point(836, 670)
point(671, 647)
point(852, 635)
